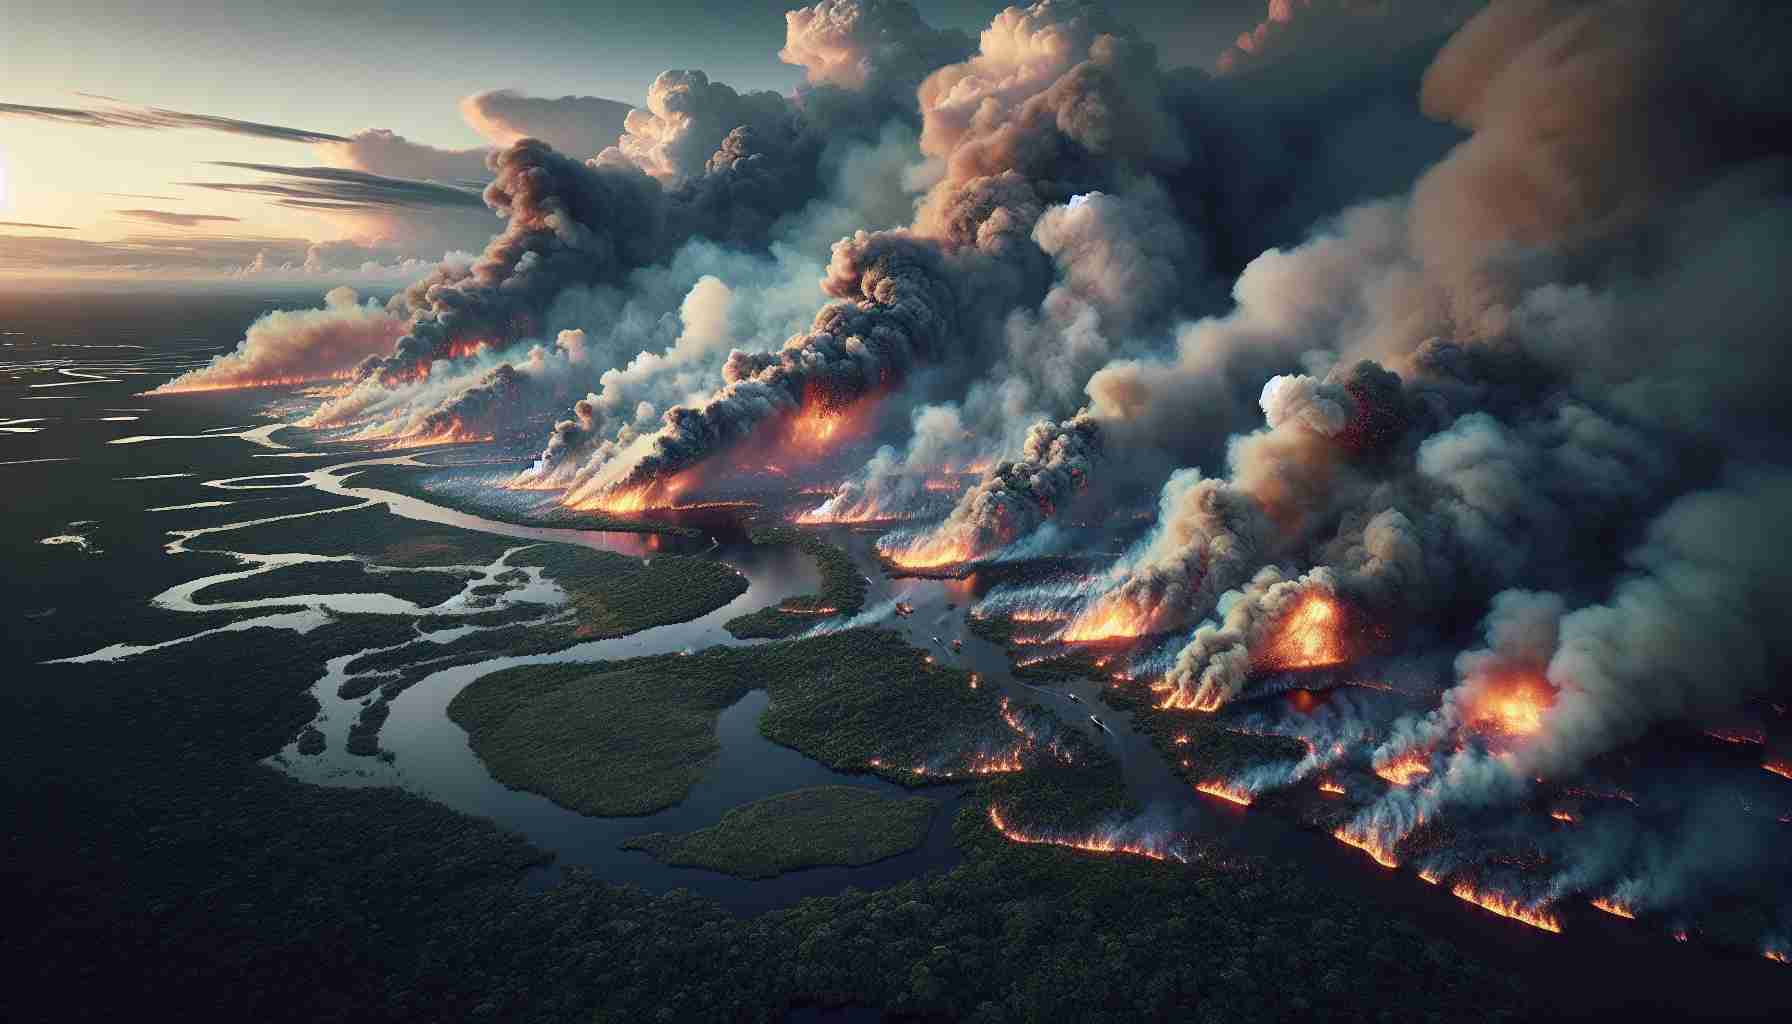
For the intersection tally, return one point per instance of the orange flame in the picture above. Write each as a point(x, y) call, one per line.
point(1781, 768)
point(1778, 956)
point(1088, 844)
point(1536, 917)
point(1369, 844)
point(1564, 817)
point(1613, 907)
point(1738, 736)
point(931, 551)
point(1226, 791)
point(1513, 704)
point(1405, 768)
point(1328, 786)
point(1111, 616)
point(1308, 636)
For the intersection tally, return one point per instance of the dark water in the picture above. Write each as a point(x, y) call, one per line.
point(70, 371)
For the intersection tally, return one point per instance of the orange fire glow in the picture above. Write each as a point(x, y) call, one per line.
point(1738, 736)
point(1110, 617)
point(455, 434)
point(1225, 791)
point(1613, 907)
point(1536, 917)
point(1308, 637)
point(932, 551)
point(1564, 817)
point(1330, 787)
point(1405, 768)
point(1781, 768)
point(1369, 844)
point(1088, 844)
point(1778, 956)
point(243, 385)
point(1513, 704)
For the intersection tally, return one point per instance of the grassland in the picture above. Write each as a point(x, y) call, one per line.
point(842, 588)
point(815, 827)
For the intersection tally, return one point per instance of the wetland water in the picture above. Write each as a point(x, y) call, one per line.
point(91, 487)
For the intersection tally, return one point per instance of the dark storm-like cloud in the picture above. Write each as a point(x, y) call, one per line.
point(177, 220)
point(157, 118)
point(337, 188)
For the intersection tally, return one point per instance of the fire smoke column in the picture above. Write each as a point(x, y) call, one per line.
point(1054, 91)
point(297, 346)
point(897, 309)
point(1010, 502)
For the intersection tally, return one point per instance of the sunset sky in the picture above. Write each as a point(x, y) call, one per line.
point(86, 189)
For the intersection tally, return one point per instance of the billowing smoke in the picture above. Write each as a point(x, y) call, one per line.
point(1010, 501)
point(1052, 88)
point(299, 346)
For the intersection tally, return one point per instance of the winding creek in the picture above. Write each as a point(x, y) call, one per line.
point(432, 756)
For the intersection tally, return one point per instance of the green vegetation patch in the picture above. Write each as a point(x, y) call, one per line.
point(817, 827)
point(620, 738)
point(632, 737)
point(614, 595)
point(842, 588)
point(1202, 746)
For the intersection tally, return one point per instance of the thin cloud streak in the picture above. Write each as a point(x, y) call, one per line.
point(158, 118)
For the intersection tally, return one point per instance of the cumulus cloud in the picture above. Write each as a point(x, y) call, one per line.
point(580, 125)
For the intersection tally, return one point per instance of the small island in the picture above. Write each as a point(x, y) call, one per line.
point(822, 826)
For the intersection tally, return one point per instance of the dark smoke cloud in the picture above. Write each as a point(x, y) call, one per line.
point(341, 189)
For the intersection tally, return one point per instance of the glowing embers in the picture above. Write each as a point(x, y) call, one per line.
point(1310, 635)
point(1614, 908)
point(1225, 791)
point(241, 385)
point(1330, 788)
point(453, 433)
point(1369, 844)
point(1092, 843)
point(1778, 956)
point(1740, 737)
point(1401, 771)
point(1537, 916)
point(1565, 817)
point(1781, 768)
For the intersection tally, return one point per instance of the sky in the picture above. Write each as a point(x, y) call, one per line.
point(79, 200)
